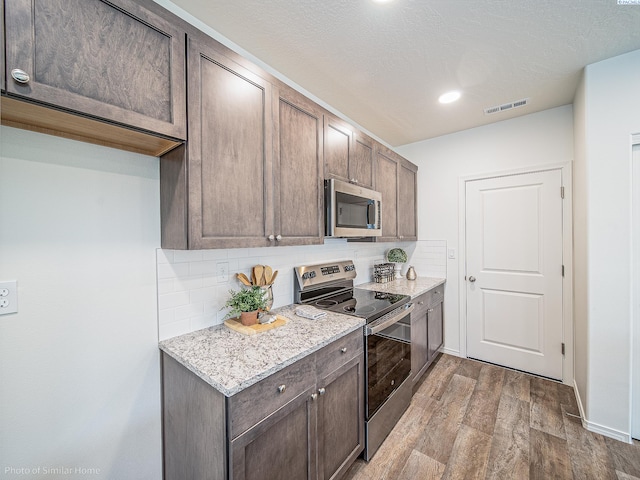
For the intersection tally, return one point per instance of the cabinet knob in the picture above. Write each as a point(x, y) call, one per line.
point(353, 180)
point(430, 310)
point(321, 391)
point(420, 303)
point(282, 388)
point(271, 238)
point(343, 349)
point(20, 76)
point(278, 237)
point(314, 396)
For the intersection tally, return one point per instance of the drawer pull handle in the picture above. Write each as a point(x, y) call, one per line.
point(322, 391)
point(314, 396)
point(20, 76)
point(343, 349)
point(282, 388)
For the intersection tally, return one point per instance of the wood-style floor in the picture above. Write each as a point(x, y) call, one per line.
point(471, 420)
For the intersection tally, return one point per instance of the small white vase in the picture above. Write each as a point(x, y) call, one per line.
point(397, 271)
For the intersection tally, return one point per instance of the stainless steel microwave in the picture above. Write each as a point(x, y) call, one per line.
point(351, 211)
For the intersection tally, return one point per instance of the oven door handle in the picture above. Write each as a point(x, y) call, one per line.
point(389, 319)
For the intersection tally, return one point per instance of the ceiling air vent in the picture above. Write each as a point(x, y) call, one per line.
point(506, 106)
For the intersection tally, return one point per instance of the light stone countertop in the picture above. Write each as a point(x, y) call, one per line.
point(230, 361)
point(403, 286)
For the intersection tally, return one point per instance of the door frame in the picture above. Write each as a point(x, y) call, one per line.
point(566, 172)
point(634, 380)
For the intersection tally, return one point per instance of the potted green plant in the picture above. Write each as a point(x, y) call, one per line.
point(246, 304)
point(397, 256)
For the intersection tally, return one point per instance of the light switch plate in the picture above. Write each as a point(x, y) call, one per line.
point(452, 253)
point(8, 297)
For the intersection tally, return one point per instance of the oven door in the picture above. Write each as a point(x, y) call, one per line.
point(388, 358)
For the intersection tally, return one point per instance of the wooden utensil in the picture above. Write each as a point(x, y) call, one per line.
point(243, 278)
point(258, 270)
point(273, 277)
point(268, 274)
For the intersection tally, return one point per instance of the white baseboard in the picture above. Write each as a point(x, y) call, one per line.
point(597, 428)
point(450, 351)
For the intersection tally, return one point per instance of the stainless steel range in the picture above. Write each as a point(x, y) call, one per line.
point(387, 334)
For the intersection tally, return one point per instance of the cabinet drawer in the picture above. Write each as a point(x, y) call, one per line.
point(337, 353)
point(257, 402)
point(430, 298)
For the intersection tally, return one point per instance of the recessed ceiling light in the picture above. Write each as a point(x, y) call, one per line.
point(449, 96)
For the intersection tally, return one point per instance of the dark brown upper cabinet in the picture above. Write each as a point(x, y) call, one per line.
point(407, 200)
point(298, 185)
point(348, 154)
point(109, 60)
point(387, 184)
point(254, 161)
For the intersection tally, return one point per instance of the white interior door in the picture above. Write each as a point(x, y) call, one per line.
point(514, 271)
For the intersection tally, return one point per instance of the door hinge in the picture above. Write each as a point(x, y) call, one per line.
point(563, 349)
point(561, 192)
point(563, 270)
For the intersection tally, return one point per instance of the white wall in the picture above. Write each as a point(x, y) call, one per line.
point(79, 363)
point(537, 139)
point(191, 294)
point(611, 116)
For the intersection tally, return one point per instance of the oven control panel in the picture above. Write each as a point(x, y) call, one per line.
point(316, 275)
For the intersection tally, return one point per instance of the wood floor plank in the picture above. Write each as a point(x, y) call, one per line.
point(470, 368)
point(625, 476)
point(438, 380)
point(440, 432)
point(588, 451)
point(549, 457)
point(509, 455)
point(625, 456)
point(517, 384)
point(418, 465)
point(483, 406)
point(568, 398)
point(546, 411)
point(468, 460)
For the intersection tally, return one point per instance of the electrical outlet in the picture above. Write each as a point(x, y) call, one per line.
point(222, 272)
point(8, 297)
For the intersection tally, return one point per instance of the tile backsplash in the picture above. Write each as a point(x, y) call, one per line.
point(193, 285)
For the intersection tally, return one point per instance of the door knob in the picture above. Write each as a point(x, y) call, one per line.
point(472, 279)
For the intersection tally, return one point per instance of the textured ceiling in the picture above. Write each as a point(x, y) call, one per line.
point(384, 65)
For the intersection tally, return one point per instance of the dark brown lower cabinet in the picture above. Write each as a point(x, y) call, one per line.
point(426, 331)
point(304, 422)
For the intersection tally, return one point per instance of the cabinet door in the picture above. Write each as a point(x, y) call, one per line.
point(419, 342)
point(387, 184)
point(361, 164)
point(113, 60)
point(340, 418)
point(298, 181)
point(338, 144)
point(282, 446)
point(230, 152)
point(407, 200)
point(435, 333)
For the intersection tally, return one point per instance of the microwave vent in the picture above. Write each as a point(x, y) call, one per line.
point(506, 106)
